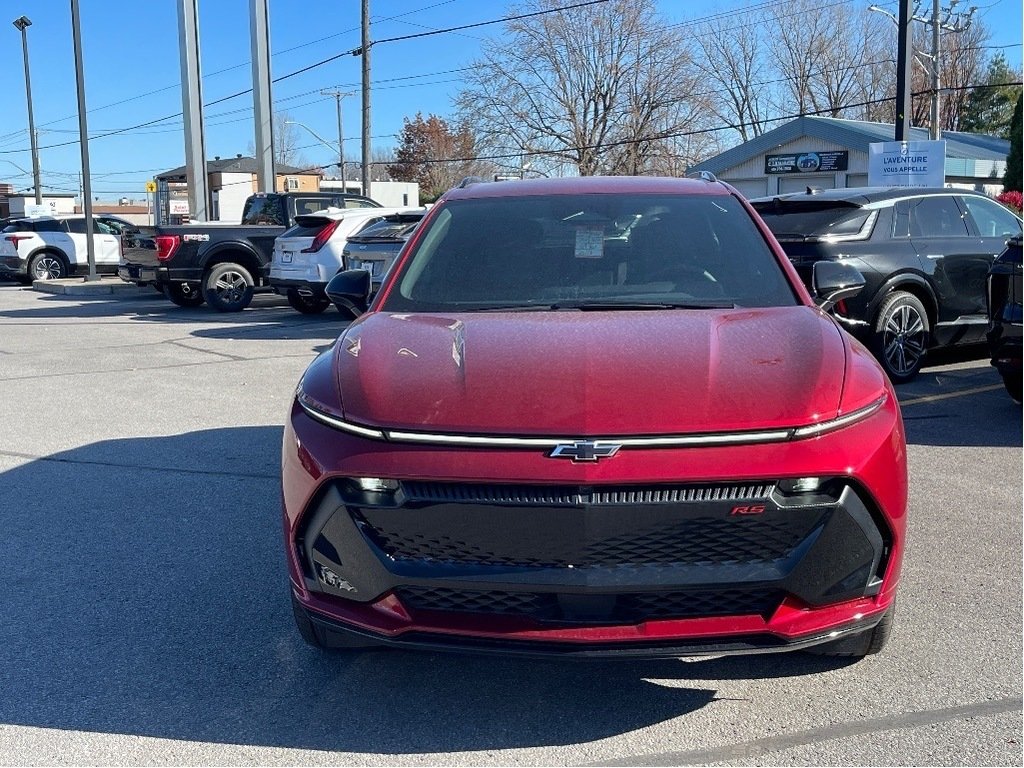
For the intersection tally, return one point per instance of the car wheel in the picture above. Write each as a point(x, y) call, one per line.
point(184, 294)
point(47, 266)
point(1014, 383)
point(901, 336)
point(304, 625)
point(229, 287)
point(307, 305)
point(862, 644)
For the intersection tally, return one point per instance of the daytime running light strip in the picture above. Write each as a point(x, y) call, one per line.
point(667, 441)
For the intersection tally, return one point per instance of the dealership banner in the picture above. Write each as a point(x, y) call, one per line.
point(907, 164)
point(807, 162)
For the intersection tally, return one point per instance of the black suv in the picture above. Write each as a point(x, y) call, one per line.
point(1006, 317)
point(924, 253)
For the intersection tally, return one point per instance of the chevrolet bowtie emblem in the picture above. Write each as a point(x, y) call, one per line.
point(584, 450)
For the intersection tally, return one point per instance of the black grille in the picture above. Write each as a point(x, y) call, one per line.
point(628, 607)
point(416, 491)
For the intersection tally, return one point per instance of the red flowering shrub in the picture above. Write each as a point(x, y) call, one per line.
point(1012, 199)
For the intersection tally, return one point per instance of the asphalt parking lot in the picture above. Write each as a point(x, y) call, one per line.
point(144, 615)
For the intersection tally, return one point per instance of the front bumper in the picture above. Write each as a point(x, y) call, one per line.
point(586, 572)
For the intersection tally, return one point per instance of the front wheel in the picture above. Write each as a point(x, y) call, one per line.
point(47, 266)
point(228, 287)
point(901, 336)
point(184, 294)
point(307, 305)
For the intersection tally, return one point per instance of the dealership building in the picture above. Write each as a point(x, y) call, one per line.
point(826, 152)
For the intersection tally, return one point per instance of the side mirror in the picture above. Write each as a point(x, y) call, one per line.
point(349, 290)
point(834, 282)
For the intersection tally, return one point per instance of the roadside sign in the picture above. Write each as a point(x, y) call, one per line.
point(151, 186)
point(907, 164)
point(32, 210)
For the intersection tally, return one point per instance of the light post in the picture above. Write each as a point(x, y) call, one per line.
point(319, 138)
point(22, 24)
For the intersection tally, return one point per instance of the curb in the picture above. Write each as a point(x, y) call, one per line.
point(79, 287)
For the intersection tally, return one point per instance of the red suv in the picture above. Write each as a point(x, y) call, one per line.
point(595, 416)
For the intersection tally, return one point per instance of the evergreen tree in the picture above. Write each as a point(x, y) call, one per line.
point(1012, 177)
point(989, 108)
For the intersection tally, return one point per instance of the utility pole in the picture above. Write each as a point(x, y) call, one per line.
point(903, 56)
point(951, 21)
point(364, 50)
point(338, 96)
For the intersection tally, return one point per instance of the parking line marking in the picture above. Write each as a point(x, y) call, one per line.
point(948, 395)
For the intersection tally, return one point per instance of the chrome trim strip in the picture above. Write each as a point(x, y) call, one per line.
point(665, 441)
point(813, 430)
point(334, 421)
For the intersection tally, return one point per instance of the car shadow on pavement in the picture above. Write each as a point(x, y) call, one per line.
point(143, 591)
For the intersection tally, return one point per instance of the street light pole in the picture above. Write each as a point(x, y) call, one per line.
point(83, 133)
point(22, 24)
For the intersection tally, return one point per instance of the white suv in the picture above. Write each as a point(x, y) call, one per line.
point(309, 254)
point(51, 247)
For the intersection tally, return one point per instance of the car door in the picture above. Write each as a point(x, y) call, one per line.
point(106, 246)
point(991, 223)
point(954, 261)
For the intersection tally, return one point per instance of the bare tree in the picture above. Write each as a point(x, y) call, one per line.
point(732, 54)
point(798, 51)
point(591, 89)
point(287, 142)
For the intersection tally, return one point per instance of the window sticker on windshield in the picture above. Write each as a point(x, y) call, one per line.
point(589, 242)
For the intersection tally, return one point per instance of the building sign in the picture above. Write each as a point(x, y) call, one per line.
point(907, 164)
point(807, 162)
point(177, 207)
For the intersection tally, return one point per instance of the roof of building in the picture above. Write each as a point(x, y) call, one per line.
point(856, 135)
point(238, 164)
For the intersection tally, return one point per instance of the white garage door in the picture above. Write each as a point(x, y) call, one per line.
point(800, 182)
point(750, 187)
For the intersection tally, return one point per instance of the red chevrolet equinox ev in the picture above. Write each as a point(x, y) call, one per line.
point(595, 417)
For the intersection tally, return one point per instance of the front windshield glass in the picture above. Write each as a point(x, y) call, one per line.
point(590, 251)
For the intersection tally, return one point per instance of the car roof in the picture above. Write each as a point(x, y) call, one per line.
point(581, 185)
point(861, 195)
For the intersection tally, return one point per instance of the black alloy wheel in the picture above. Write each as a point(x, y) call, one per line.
point(229, 287)
point(901, 336)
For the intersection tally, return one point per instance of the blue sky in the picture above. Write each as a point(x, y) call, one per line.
point(131, 69)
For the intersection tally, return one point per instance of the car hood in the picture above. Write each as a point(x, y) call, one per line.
point(595, 373)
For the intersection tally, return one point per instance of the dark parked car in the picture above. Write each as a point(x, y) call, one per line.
point(597, 416)
point(376, 247)
point(924, 254)
point(1005, 316)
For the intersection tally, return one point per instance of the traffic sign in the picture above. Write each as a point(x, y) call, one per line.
point(151, 186)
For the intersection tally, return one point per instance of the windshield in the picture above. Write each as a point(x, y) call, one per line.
point(590, 251)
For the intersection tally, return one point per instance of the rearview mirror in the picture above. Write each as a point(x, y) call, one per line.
point(349, 290)
point(834, 282)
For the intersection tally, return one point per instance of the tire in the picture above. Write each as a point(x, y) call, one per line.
point(866, 643)
point(47, 266)
point(901, 335)
point(176, 292)
point(305, 626)
point(307, 305)
point(1014, 383)
point(228, 287)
